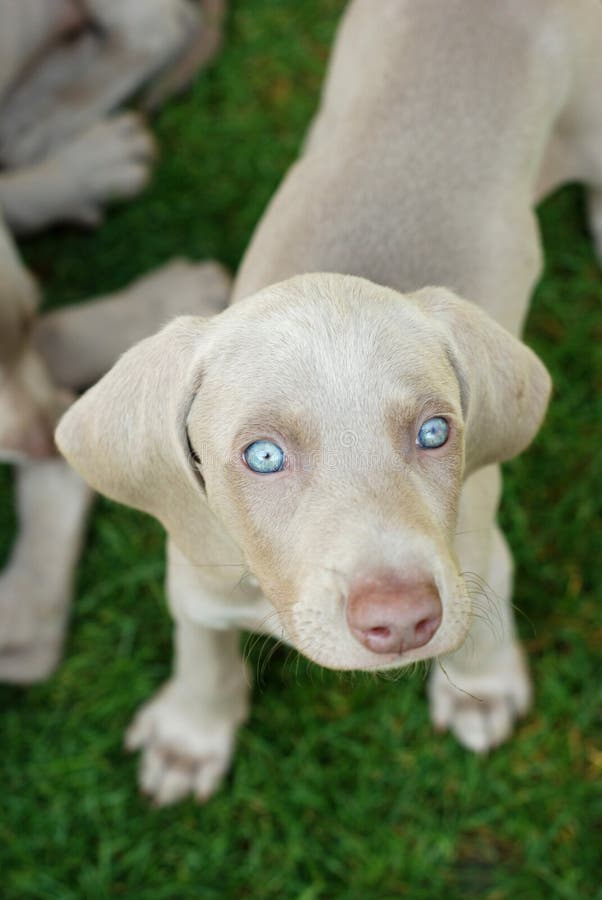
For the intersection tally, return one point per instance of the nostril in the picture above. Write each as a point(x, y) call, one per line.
point(379, 638)
point(425, 629)
point(379, 632)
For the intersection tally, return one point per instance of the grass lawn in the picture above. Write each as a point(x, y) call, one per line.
point(340, 789)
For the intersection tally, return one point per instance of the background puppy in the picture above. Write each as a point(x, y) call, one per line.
point(63, 68)
point(360, 569)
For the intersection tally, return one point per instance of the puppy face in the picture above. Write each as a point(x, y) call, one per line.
point(327, 425)
point(329, 384)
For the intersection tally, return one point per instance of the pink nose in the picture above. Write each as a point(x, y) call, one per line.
point(390, 615)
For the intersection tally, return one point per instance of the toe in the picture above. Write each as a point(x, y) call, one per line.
point(471, 728)
point(152, 771)
point(139, 733)
point(209, 777)
point(176, 783)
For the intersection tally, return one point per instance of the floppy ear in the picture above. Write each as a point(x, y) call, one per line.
point(126, 436)
point(504, 386)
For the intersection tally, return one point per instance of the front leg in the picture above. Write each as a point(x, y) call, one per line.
point(187, 731)
point(479, 691)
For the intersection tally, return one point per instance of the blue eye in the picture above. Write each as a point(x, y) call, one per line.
point(264, 457)
point(433, 433)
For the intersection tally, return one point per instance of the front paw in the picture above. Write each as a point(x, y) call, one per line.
point(481, 707)
point(186, 745)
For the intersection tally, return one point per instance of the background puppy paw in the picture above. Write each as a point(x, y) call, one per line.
point(186, 747)
point(110, 161)
point(481, 709)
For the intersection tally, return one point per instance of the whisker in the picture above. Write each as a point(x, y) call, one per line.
point(522, 613)
point(250, 643)
point(292, 654)
point(210, 565)
point(272, 646)
point(462, 691)
point(479, 590)
point(260, 670)
point(472, 531)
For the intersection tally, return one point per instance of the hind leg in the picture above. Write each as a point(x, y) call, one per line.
point(575, 148)
point(580, 160)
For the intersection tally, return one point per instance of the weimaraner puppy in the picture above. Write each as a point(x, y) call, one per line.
point(324, 453)
point(64, 156)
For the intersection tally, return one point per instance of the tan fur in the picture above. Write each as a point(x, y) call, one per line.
point(421, 168)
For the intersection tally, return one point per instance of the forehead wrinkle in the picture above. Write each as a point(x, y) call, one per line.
point(329, 342)
point(329, 325)
point(323, 335)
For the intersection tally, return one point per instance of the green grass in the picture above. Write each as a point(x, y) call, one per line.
point(340, 789)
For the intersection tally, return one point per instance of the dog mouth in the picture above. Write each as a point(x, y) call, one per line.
point(380, 612)
point(360, 660)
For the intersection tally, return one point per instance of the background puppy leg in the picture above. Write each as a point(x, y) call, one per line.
point(160, 26)
point(176, 77)
point(36, 585)
point(27, 27)
point(80, 343)
point(478, 691)
point(187, 731)
point(19, 297)
point(110, 161)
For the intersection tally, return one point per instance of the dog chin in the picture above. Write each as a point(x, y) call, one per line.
point(352, 657)
point(362, 660)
